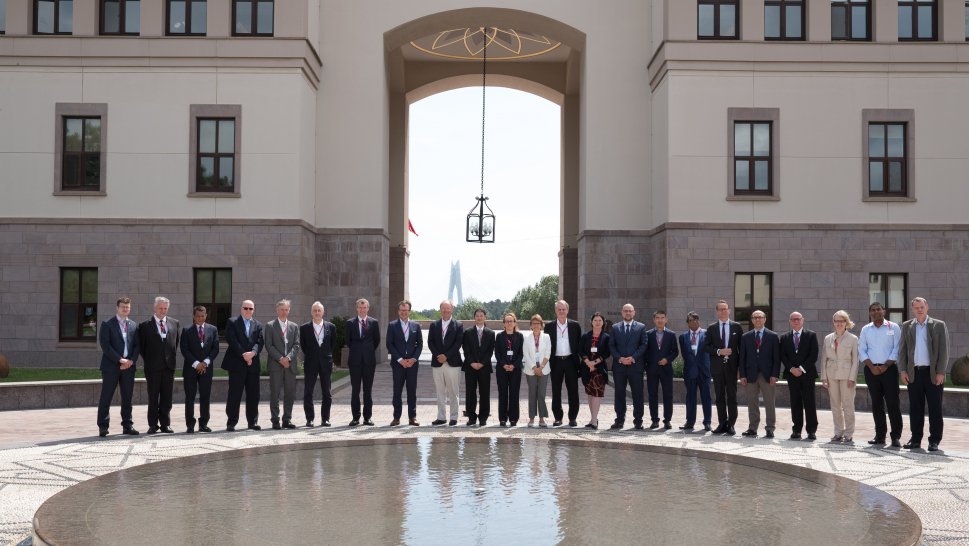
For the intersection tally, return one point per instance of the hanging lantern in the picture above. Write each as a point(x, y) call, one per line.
point(481, 225)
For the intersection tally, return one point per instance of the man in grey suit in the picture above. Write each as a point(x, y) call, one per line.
point(282, 344)
point(627, 344)
point(923, 354)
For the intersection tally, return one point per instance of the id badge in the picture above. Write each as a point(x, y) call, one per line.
point(510, 353)
point(694, 348)
point(891, 333)
point(595, 349)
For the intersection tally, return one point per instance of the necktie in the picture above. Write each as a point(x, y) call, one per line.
point(200, 335)
point(758, 342)
point(723, 334)
point(479, 336)
point(161, 326)
point(797, 340)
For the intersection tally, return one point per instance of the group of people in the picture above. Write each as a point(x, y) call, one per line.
point(916, 352)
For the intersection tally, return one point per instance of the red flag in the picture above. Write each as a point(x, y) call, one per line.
point(410, 227)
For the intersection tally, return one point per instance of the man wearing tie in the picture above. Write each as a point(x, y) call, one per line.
point(405, 343)
point(282, 344)
point(479, 345)
point(799, 357)
point(627, 344)
point(362, 335)
point(444, 340)
point(565, 334)
point(244, 336)
point(696, 372)
point(923, 354)
point(200, 346)
point(318, 340)
point(878, 351)
point(722, 343)
point(159, 352)
point(661, 351)
point(119, 344)
point(760, 366)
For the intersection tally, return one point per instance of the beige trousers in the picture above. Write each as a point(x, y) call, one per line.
point(447, 380)
point(755, 390)
point(842, 407)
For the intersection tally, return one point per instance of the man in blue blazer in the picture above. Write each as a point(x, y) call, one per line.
point(318, 342)
point(245, 339)
point(444, 340)
point(696, 372)
point(118, 338)
point(760, 366)
point(405, 343)
point(362, 335)
point(627, 344)
point(661, 351)
point(200, 345)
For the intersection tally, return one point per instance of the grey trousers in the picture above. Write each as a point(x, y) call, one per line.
point(755, 390)
point(285, 380)
point(536, 395)
point(447, 381)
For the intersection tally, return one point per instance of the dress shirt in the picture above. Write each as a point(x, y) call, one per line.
point(562, 347)
point(659, 336)
point(361, 322)
point(799, 332)
point(879, 343)
point(921, 344)
point(405, 328)
point(321, 333)
point(480, 333)
point(444, 326)
point(724, 329)
point(626, 326)
point(123, 326)
point(201, 342)
point(694, 340)
point(246, 321)
point(158, 326)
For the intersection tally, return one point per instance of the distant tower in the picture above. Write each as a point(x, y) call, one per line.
point(455, 283)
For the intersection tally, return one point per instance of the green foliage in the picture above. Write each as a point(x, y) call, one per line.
point(426, 314)
point(414, 315)
point(466, 310)
point(341, 330)
point(539, 299)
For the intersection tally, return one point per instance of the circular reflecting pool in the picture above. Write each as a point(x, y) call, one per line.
point(472, 491)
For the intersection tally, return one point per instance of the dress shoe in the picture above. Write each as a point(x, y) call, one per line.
point(655, 425)
point(309, 424)
point(750, 433)
point(812, 436)
point(230, 428)
point(502, 424)
point(355, 422)
point(770, 434)
point(877, 441)
point(730, 431)
point(438, 422)
point(471, 422)
point(277, 426)
point(395, 422)
point(152, 430)
point(513, 424)
point(325, 424)
point(573, 424)
point(706, 428)
point(190, 430)
point(616, 426)
point(593, 427)
point(413, 423)
point(795, 436)
point(204, 429)
point(557, 423)
point(167, 430)
point(130, 431)
point(896, 442)
point(452, 423)
point(102, 432)
point(368, 422)
point(667, 425)
point(686, 427)
point(482, 423)
point(720, 429)
point(288, 424)
point(638, 426)
point(933, 446)
point(913, 445)
point(255, 427)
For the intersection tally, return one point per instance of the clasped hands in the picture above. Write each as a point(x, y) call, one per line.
point(250, 355)
point(125, 363)
point(407, 362)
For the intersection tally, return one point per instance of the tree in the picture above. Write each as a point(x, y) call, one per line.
point(465, 311)
point(539, 299)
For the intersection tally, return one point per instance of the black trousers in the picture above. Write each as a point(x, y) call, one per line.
point(662, 374)
point(160, 386)
point(477, 382)
point(200, 383)
point(509, 388)
point(725, 389)
point(361, 376)
point(883, 390)
point(110, 381)
point(633, 376)
point(325, 376)
point(803, 403)
point(405, 377)
point(564, 370)
point(923, 391)
point(239, 383)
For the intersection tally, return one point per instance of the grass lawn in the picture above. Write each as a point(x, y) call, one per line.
point(72, 374)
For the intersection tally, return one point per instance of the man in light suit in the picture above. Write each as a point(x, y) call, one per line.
point(119, 343)
point(405, 343)
point(244, 336)
point(318, 340)
point(923, 355)
point(444, 341)
point(627, 344)
point(362, 335)
point(661, 351)
point(696, 372)
point(565, 335)
point(200, 346)
point(282, 344)
point(159, 338)
point(479, 346)
point(760, 366)
point(722, 343)
point(799, 357)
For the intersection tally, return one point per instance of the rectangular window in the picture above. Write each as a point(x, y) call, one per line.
point(79, 304)
point(187, 17)
point(784, 19)
point(890, 290)
point(53, 17)
point(752, 292)
point(3, 16)
point(82, 154)
point(121, 17)
point(213, 290)
point(752, 157)
point(917, 20)
point(216, 155)
point(851, 20)
point(717, 19)
point(886, 159)
point(252, 18)
point(967, 21)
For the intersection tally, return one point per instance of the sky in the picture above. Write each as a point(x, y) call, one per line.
point(522, 166)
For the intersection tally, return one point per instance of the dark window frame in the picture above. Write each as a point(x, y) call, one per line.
point(122, 7)
point(188, 19)
point(879, 116)
point(769, 310)
point(884, 284)
point(967, 26)
point(57, 20)
point(3, 7)
point(80, 306)
point(83, 155)
point(885, 160)
point(212, 307)
point(79, 110)
point(216, 158)
point(716, 19)
point(255, 20)
point(213, 111)
point(752, 158)
point(915, 4)
point(848, 4)
point(773, 115)
point(782, 4)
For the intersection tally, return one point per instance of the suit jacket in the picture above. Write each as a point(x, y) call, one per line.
point(157, 353)
point(475, 352)
point(805, 355)
point(713, 342)
point(400, 349)
point(632, 344)
point(317, 357)
point(277, 349)
point(448, 344)
point(528, 351)
point(767, 361)
point(517, 350)
point(239, 343)
point(195, 350)
point(654, 352)
point(113, 344)
point(362, 349)
point(585, 351)
point(841, 363)
point(575, 336)
point(693, 364)
point(937, 336)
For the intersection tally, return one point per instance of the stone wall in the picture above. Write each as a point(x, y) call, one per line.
point(615, 268)
point(569, 279)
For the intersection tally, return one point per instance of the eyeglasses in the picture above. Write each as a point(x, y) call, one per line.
point(796, 319)
point(508, 321)
point(248, 308)
point(839, 321)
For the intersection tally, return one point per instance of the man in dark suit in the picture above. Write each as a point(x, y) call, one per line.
point(479, 346)
point(627, 344)
point(760, 366)
point(362, 336)
point(405, 341)
point(245, 339)
point(159, 337)
point(565, 334)
point(799, 357)
point(119, 343)
point(318, 340)
point(444, 341)
point(200, 346)
point(696, 372)
point(661, 351)
point(722, 343)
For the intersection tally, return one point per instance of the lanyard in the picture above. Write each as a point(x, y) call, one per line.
point(536, 345)
point(124, 326)
point(758, 338)
point(199, 328)
point(161, 326)
point(562, 331)
point(693, 336)
point(508, 338)
point(444, 326)
point(319, 333)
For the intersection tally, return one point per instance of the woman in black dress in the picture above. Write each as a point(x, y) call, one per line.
point(594, 350)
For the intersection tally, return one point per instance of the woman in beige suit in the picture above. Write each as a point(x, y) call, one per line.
point(839, 374)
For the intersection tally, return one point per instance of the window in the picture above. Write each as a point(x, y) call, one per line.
point(216, 155)
point(967, 20)
point(79, 304)
point(252, 18)
point(187, 17)
point(82, 154)
point(121, 17)
point(890, 290)
point(851, 20)
point(886, 158)
point(752, 292)
point(752, 157)
point(53, 16)
point(3, 16)
point(717, 19)
point(917, 20)
point(784, 19)
point(213, 289)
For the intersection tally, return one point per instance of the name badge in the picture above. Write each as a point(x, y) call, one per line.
point(163, 336)
point(694, 348)
point(511, 353)
point(595, 349)
point(891, 333)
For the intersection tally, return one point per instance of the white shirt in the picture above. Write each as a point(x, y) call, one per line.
point(158, 326)
point(319, 333)
point(694, 334)
point(562, 347)
point(724, 328)
point(123, 325)
point(480, 333)
point(799, 332)
point(362, 321)
point(405, 326)
point(201, 342)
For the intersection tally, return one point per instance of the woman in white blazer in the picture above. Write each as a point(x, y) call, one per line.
point(839, 374)
point(536, 367)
